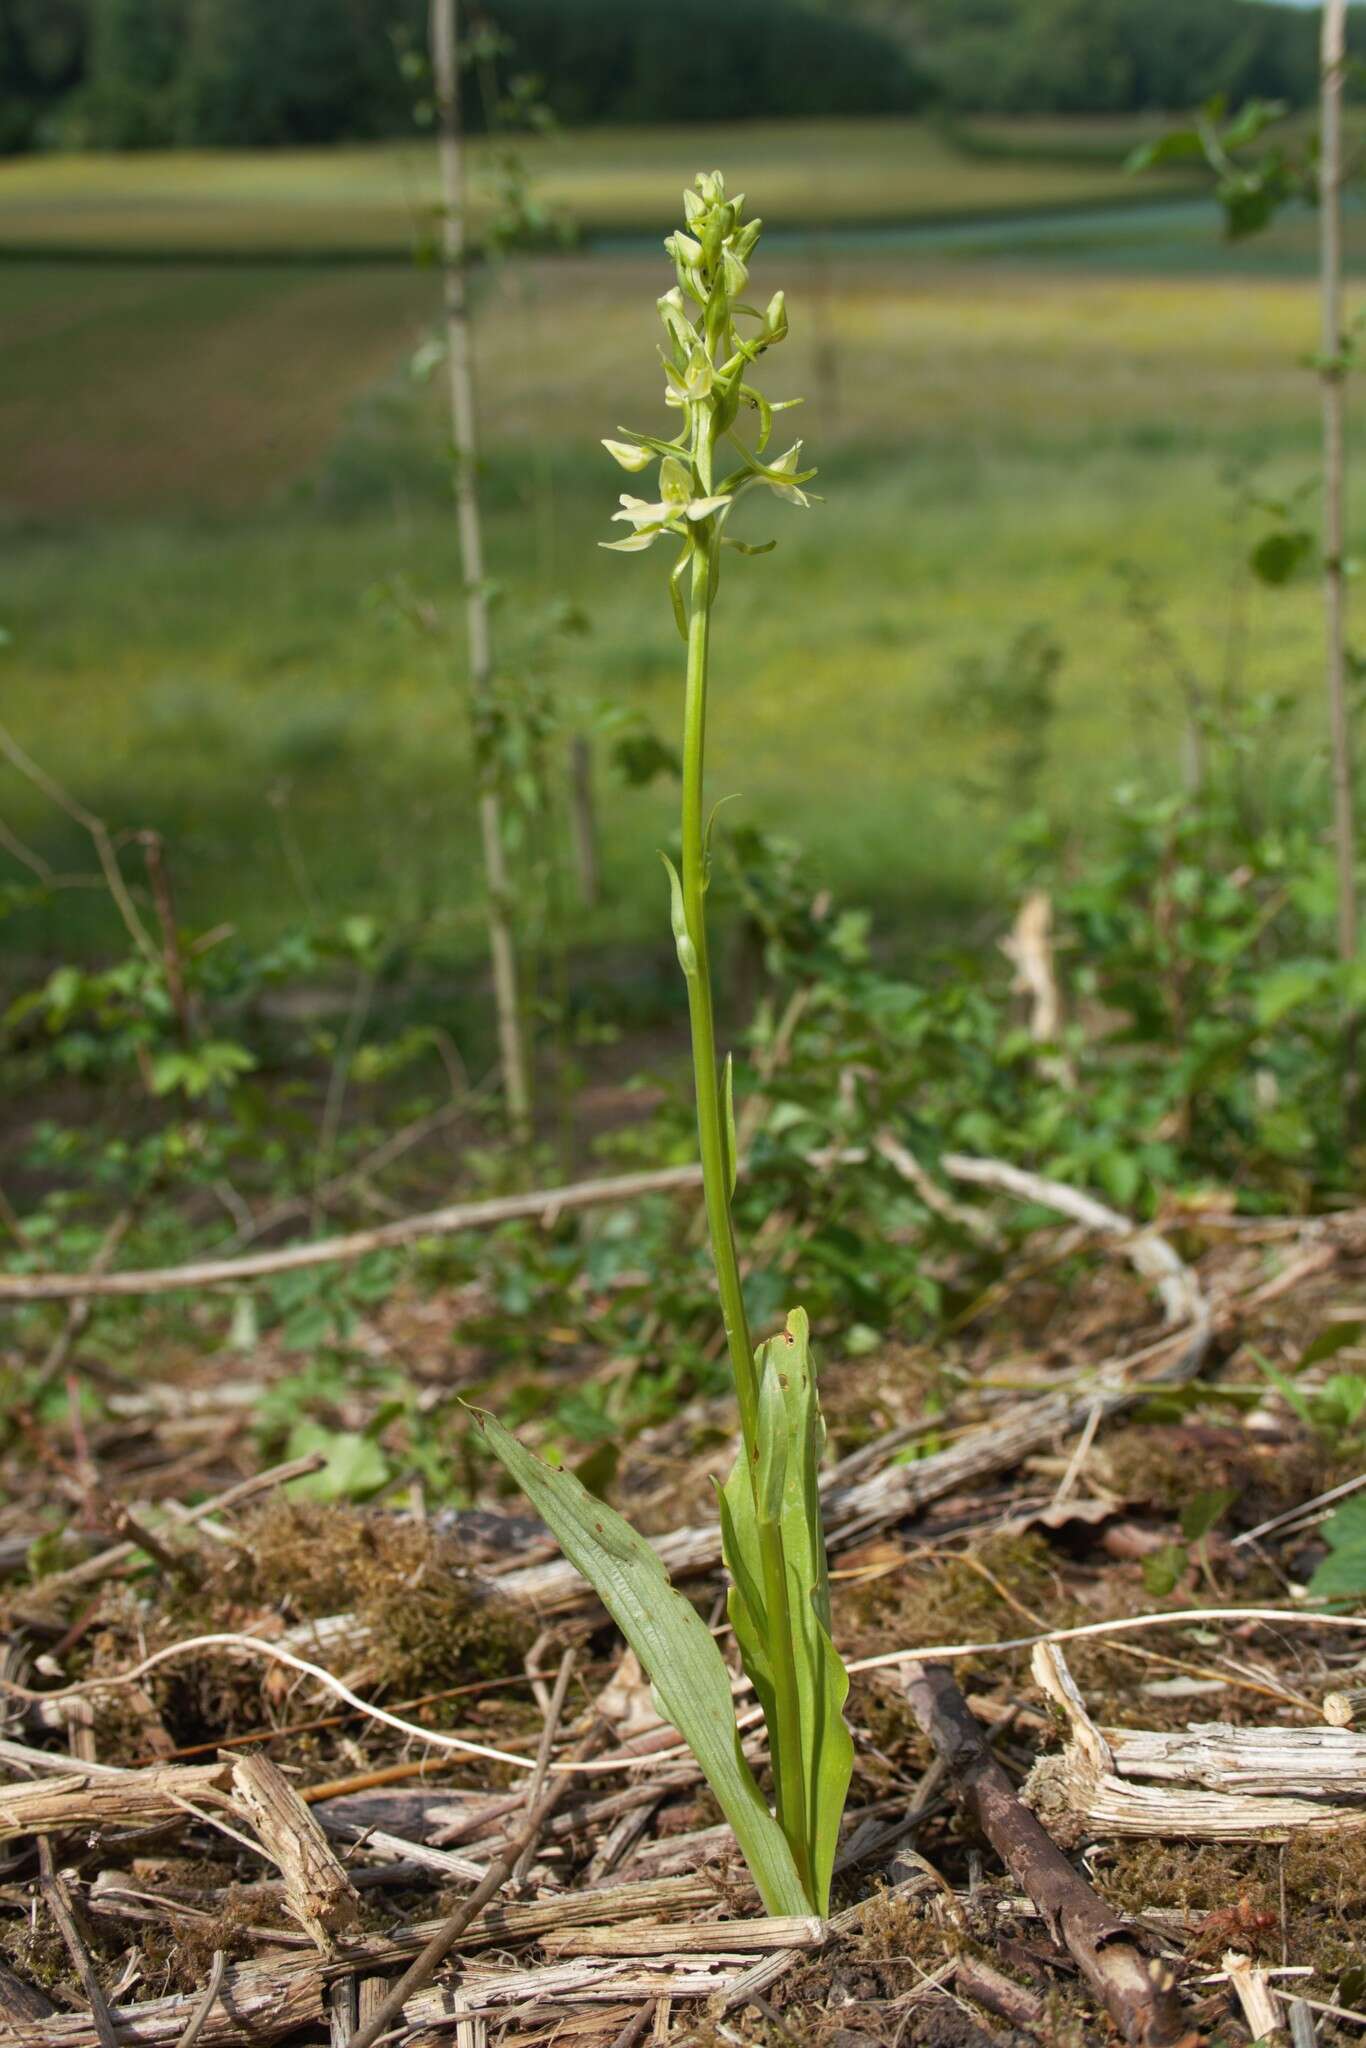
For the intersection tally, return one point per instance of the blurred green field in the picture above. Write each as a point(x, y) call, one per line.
point(213, 478)
point(380, 198)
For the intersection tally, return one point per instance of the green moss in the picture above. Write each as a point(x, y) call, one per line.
point(1151, 1465)
point(1230, 1894)
point(949, 1599)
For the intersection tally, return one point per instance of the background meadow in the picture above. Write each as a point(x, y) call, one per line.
point(1035, 389)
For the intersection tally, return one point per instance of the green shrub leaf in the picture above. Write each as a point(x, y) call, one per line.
point(1342, 1575)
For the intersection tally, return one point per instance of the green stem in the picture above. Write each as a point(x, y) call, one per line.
point(710, 1120)
point(785, 1730)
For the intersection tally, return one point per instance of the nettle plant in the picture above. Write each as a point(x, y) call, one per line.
point(772, 1536)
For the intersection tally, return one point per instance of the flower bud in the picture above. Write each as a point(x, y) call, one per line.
point(680, 329)
point(745, 239)
point(733, 272)
point(684, 249)
point(775, 319)
point(628, 454)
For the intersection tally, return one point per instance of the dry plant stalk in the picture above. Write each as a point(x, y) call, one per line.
point(1210, 1782)
point(318, 1891)
point(1333, 363)
point(126, 1799)
point(460, 370)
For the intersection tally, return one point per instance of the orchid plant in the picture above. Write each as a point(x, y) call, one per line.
point(772, 1536)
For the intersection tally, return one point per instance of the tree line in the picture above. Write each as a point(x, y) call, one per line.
point(142, 74)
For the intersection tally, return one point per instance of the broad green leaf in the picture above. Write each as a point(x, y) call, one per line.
point(1180, 146)
point(673, 1643)
point(789, 1413)
point(1278, 555)
point(356, 1466)
point(1341, 1401)
point(1342, 1575)
point(1164, 1569)
point(1286, 988)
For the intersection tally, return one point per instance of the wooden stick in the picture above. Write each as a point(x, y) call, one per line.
point(1208, 1783)
point(318, 1891)
point(760, 1936)
point(636, 2027)
point(1135, 1988)
point(1150, 1253)
point(554, 1708)
point(59, 1905)
point(1334, 345)
point(425, 1966)
point(357, 1244)
point(102, 1797)
point(1303, 2032)
point(986, 1986)
point(1147, 1251)
point(1261, 2007)
point(482, 683)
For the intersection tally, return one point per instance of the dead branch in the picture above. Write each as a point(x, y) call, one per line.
point(1149, 1253)
point(265, 2001)
point(760, 1936)
point(543, 1203)
point(1211, 1782)
point(1261, 2007)
point(201, 2014)
point(425, 1966)
point(318, 1891)
point(1029, 948)
point(987, 1987)
point(1134, 1987)
point(113, 1798)
point(59, 1905)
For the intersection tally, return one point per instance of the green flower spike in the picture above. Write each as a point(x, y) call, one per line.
point(712, 341)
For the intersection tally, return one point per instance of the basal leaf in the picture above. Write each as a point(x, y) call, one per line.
point(675, 1646)
point(788, 1406)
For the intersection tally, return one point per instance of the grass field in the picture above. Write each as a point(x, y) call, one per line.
point(380, 198)
point(210, 475)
